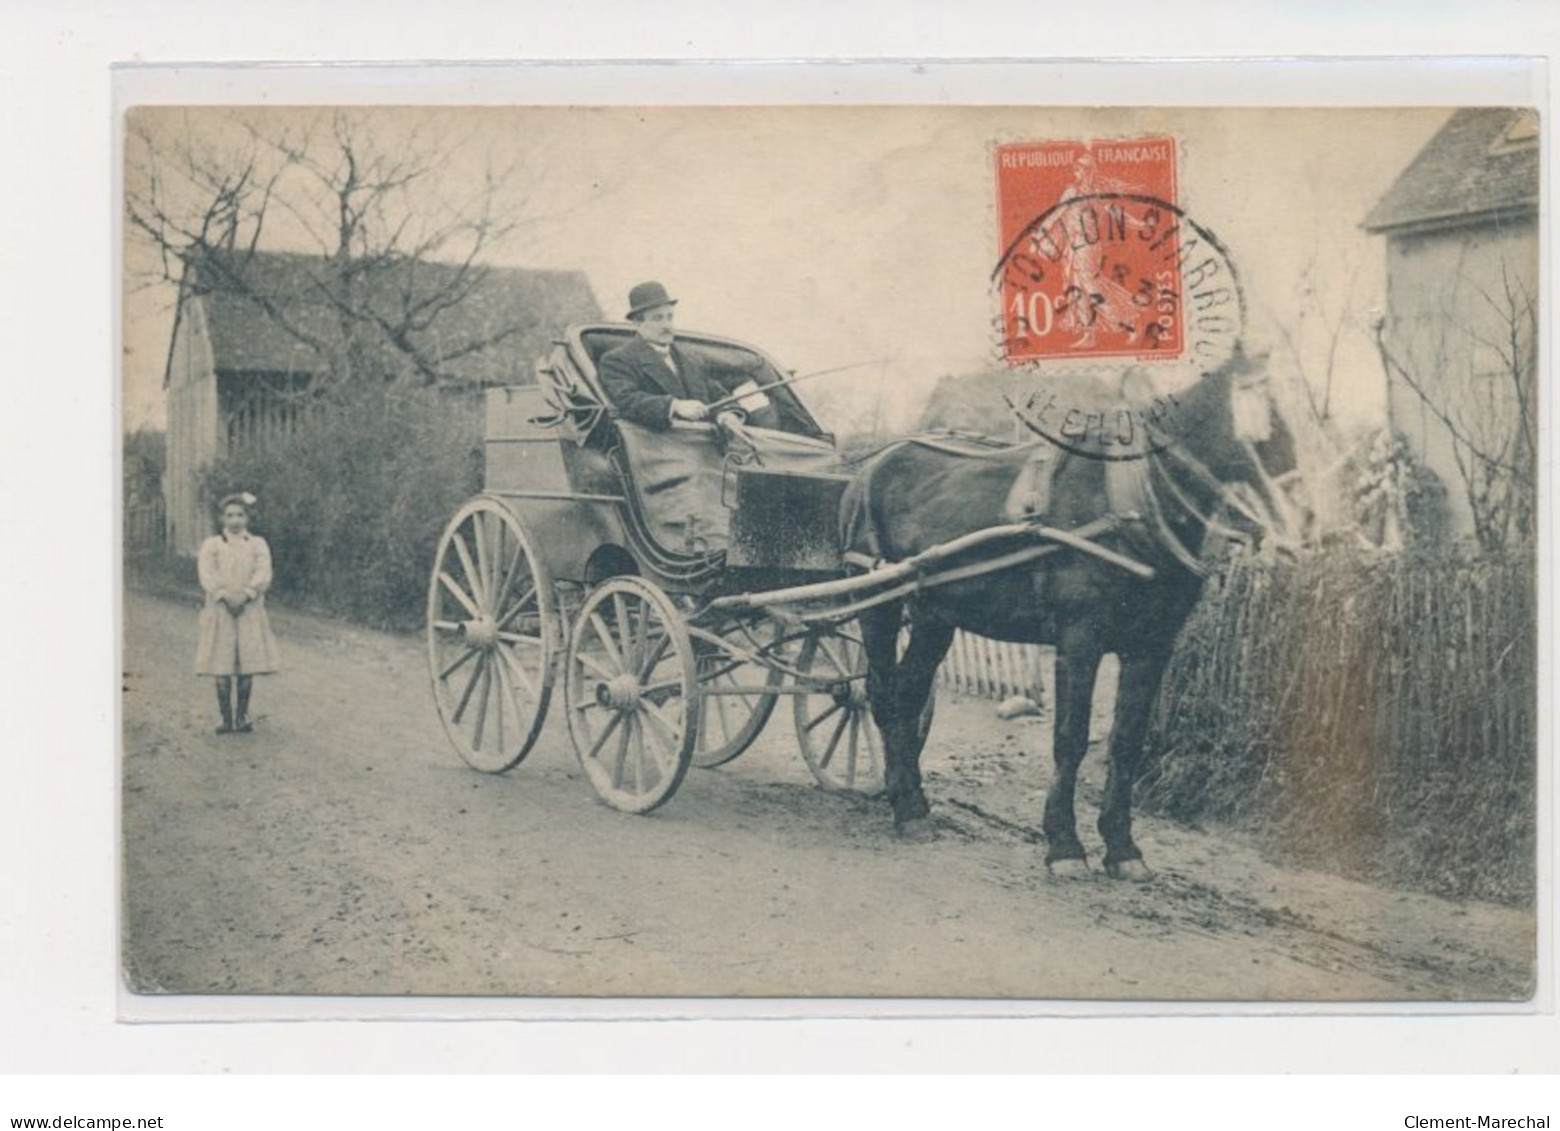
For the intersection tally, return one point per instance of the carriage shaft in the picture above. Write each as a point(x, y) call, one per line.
point(914, 569)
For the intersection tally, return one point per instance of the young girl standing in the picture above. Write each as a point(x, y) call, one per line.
point(235, 633)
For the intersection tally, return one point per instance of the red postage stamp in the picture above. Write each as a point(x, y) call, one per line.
point(1090, 241)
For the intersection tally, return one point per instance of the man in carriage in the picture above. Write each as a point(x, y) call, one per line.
point(653, 382)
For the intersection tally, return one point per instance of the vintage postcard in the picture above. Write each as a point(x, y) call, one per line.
point(823, 552)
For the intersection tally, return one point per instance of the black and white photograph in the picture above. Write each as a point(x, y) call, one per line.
point(996, 553)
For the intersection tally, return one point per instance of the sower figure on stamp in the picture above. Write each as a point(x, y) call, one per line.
point(653, 382)
point(235, 633)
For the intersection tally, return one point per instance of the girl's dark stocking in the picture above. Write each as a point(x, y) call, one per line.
point(246, 684)
point(225, 703)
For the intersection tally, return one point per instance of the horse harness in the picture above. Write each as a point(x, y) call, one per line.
point(1131, 488)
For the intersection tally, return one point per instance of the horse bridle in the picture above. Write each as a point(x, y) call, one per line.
point(1223, 492)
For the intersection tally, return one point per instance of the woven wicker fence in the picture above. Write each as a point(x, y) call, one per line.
point(1371, 715)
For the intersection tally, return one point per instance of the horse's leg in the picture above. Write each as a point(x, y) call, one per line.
point(929, 643)
point(880, 641)
point(898, 687)
point(1141, 673)
point(1077, 664)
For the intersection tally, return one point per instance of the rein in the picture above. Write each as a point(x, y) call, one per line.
point(1211, 525)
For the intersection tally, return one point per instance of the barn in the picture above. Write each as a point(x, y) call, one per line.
point(1459, 339)
point(254, 333)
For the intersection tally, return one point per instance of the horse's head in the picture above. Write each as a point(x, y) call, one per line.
point(1227, 430)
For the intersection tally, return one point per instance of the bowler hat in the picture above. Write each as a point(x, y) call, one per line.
point(647, 296)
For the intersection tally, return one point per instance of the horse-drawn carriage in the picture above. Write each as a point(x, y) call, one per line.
point(680, 584)
point(609, 562)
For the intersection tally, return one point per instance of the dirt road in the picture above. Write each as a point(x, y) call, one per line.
point(342, 848)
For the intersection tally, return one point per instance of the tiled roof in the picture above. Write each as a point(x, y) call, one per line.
point(265, 310)
point(1484, 160)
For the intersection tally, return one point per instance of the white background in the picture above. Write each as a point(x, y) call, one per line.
point(57, 803)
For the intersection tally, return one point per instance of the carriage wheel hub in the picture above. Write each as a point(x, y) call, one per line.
point(851, 694)
point(621, 692)
point(482, 632)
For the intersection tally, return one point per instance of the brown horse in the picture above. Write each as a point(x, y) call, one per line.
point(1207, 471)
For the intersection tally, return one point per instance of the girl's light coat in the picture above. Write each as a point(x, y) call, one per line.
point(229, 644)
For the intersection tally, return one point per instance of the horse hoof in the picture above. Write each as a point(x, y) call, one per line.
point(917, 830)
point(1133, 870)
point(1075, 868)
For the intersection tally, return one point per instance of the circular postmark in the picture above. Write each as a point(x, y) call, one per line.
point(1104, 286)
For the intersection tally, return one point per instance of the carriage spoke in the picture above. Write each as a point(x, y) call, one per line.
point(840, 661)
point(506, 693)
point(450, 669)
point(636, 728)
point(471, 686)
point(510, 573)
point(642, 642)
point(834, 740)
point(725, 672)
point(607, 643)
point(654, 658)
point(620, 757)
point(518, 669)
point(447, 626)
point(588, 661)
point(813, 723)
point(850, 753)
point(461, 552)
point(521, 638)
point(625, 632)
point(661, 692)
point(479, 527)
point(518, 607)
point(606, 732)
point(656, 753)
point(668, 728)
point(449, 583)
point(482, 706)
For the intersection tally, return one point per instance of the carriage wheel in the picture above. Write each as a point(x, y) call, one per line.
point(632, 694)
point(492, 632)
point(840, 743)
point(736, 696)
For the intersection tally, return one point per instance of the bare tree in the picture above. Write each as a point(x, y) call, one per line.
point(1314, 333)
point(390, 248)
point(1473, 370)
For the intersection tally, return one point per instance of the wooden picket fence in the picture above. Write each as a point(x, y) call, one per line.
point(992, 669)
point(145, 523)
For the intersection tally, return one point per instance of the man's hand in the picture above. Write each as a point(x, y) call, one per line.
point(732, 424)
point(689, 410)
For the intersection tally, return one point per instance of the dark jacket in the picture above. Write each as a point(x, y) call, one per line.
point(642, 386)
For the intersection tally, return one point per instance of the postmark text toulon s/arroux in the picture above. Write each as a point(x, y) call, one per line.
point(1100, 271)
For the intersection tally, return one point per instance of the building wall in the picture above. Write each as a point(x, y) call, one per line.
point(1451, 295)
point(194, 435)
